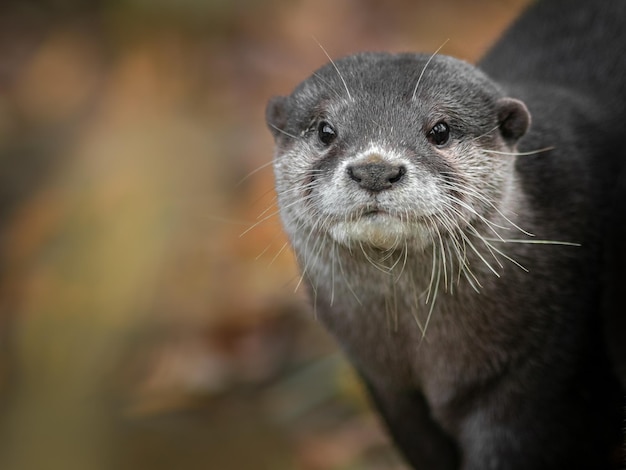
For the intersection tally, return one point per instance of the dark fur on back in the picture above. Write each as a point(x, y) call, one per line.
point(473, 275)
point(572, 47)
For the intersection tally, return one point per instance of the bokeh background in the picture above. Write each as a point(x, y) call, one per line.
point(148, 311)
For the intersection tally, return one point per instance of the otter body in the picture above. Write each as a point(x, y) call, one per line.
point(469, 262)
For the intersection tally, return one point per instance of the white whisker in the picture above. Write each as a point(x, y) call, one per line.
point(419, 79)
point(345, 85)
point(531, 152)
point(282, 131)
point(534, 242)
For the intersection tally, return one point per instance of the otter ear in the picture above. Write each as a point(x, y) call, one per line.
point(513, 118)
point(276, 114)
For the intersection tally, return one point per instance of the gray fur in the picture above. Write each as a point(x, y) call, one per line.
point(466, 293)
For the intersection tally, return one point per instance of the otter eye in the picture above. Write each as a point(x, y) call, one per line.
point(326, 133)
point(439, 134)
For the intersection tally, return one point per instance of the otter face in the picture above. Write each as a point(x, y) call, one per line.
point(392, 150)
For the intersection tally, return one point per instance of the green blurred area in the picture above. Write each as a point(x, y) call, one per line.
point(138, 327)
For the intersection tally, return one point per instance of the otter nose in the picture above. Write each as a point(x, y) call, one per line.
point(376, 176)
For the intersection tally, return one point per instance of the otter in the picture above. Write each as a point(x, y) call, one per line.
point(458, 229)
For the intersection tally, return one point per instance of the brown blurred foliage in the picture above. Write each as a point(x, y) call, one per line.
point(138, 327)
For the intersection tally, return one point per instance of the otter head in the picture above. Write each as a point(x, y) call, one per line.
point(392, 150)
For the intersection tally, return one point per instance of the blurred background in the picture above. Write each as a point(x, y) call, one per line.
point(149, 316)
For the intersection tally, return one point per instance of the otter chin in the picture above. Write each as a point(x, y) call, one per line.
point(379, 230)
